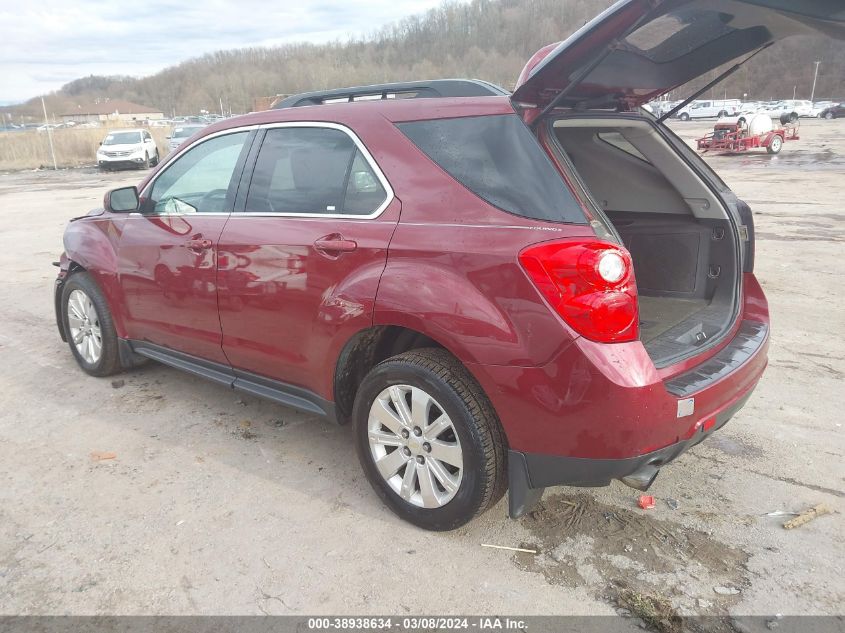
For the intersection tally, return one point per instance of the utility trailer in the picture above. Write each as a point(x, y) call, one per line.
point(737, 135)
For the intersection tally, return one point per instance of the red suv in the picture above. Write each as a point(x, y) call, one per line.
point(499, 291)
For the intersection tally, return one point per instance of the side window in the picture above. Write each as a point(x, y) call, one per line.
point(313, 170)
point(201, 179)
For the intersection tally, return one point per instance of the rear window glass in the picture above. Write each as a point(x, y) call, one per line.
point(500, 161)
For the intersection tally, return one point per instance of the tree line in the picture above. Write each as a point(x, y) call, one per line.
point(484, 39)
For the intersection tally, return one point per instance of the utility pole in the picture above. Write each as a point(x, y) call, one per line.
point(49, 134)
point(815, 77)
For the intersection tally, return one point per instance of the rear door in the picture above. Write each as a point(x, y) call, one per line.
point(640, 49)
point(168, 253)
point(301, 257)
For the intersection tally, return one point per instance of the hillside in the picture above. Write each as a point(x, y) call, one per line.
point(487, 39)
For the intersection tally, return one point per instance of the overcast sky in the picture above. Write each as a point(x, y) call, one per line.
point(47, 43)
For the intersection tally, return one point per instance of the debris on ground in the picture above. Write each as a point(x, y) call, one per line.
point(117, 384)
point(511, 549)
point(807, 516)
point(655, 611)
point(781, 513)
point(726, 591)
point(98, 456)
point(646, 502)
point(673, 503)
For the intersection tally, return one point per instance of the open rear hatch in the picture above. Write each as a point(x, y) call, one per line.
point(687, 234)
point(638, 50)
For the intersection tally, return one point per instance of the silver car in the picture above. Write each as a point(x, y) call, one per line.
point(182, 133)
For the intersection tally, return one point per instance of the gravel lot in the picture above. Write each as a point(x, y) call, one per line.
point(219, 503)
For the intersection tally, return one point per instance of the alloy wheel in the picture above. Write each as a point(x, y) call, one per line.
point(84, 325)
point(415, 447)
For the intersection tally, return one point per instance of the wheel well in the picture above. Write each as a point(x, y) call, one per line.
point(364, 351)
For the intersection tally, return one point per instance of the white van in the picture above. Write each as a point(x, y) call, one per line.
point(710, 109)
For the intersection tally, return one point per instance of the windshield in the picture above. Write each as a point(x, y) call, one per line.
point(185, 132)
point(122, 138)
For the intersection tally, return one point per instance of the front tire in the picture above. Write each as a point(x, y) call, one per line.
point(146, 163)
point(829, 116)
point(155, 159)
point(684, 116)
point(429, 440)
point(89, 326)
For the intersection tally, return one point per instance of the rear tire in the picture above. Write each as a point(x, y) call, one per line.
point(830, 116)
point(723, 114)
point(89, 327)
point(775, 145)
point(684, 116)
point(422, 410)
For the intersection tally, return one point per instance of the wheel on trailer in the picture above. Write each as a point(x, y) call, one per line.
point(775, 145)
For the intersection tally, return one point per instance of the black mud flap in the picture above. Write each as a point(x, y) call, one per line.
point(522, 498)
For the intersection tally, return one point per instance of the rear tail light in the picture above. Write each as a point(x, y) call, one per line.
point(590, 284)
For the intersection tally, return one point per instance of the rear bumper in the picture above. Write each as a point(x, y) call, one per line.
point(529, 474)
point(600, 412)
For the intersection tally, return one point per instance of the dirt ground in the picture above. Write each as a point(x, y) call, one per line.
point(219, 503)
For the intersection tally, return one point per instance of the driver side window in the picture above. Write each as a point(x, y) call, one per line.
point(201, 179)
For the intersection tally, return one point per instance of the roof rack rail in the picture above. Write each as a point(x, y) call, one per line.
point(399, 90)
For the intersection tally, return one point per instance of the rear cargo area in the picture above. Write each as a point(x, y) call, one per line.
point(677, 230)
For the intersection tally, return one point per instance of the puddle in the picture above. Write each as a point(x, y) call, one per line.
point(584, 541)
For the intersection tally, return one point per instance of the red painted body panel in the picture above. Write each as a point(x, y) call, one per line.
point(608, 401)
point(91, 242)
point(286, 310)
point(168, 291)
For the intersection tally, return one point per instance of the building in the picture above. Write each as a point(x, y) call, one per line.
point(112, 110)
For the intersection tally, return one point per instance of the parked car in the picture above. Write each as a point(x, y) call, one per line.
point(504, 331)
point(709, 109)
point(790, 110)
point(127, 148)
point(182, 133)
point(833, 112)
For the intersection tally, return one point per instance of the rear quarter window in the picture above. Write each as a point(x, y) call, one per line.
point(500, 160)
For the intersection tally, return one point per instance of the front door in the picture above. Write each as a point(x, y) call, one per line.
point(300, 263)
point(168, 253)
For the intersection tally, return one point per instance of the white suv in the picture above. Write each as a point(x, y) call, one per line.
point(792, 109)
point(127, 148)
point(710, 109)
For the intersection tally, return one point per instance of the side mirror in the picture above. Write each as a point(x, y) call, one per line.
point(101, 143)
point(167, 137)
point(123, 200)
